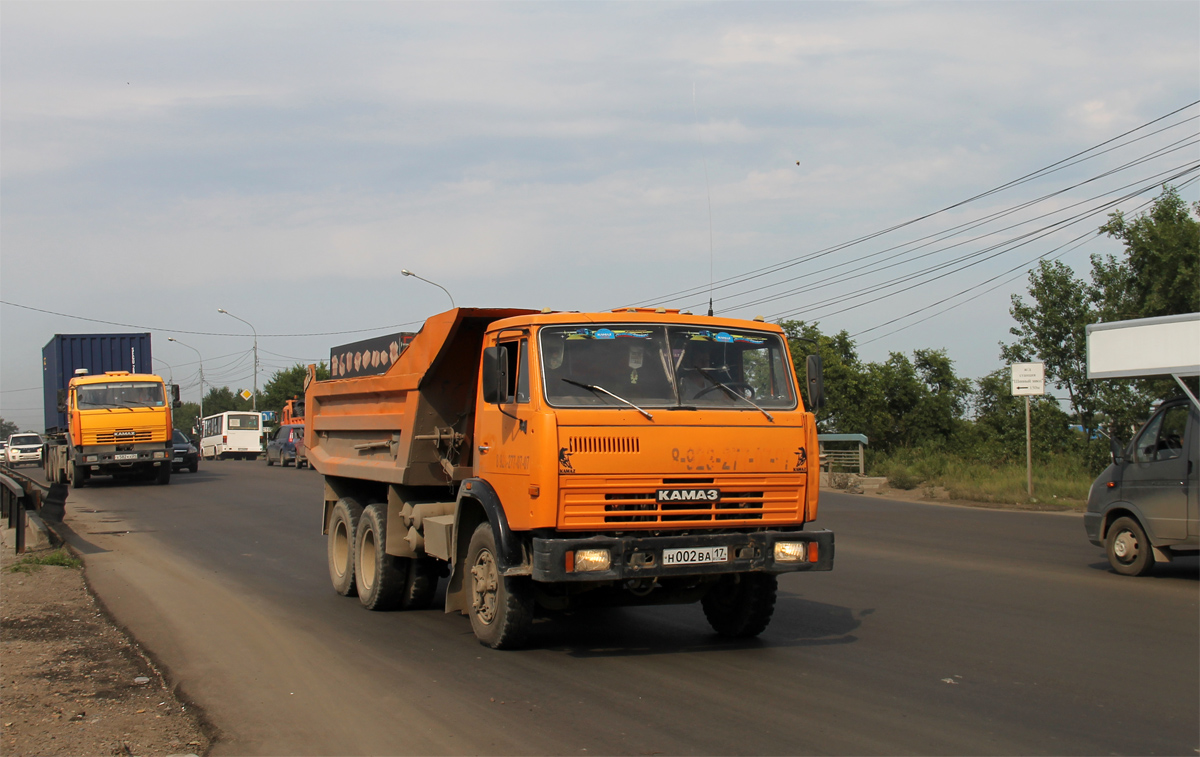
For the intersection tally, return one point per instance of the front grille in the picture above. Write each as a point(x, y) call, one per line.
point(124, 437)
point(599, 503)
point(642, 508)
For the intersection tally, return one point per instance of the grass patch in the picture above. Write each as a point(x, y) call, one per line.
point(60, 558)
point(1058, 479)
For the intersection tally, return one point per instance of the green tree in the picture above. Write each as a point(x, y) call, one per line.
point(7, 429)
point(1000, 417)
point(185, 417)
point(286, 384)
point(1162, 255)
point(221, 399)
point(1052, 330)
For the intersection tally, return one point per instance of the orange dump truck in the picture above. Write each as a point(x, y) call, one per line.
point(549, 461)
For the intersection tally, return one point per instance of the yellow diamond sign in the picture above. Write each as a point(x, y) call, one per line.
point(246, 394)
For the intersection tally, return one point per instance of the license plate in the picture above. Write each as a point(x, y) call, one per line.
point(695, 555)
point(131, 456)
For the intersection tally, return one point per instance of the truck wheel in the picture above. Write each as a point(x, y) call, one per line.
point(740, 605)
point(420, 584)
point(501, 607)
point(78, 478)
point(163, 477)
point(1128, 549)
point(342, 523)
point(379, 577)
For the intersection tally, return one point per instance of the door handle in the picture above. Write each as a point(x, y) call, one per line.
point(483, 448)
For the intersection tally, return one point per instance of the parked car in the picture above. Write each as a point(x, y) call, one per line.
point(186, 453)
point(24, 448)
point(281, 445)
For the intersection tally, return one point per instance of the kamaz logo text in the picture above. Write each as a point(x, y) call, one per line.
point(689, 495)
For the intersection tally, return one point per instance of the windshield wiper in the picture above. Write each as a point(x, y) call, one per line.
point(594, 388)
point(734, 392)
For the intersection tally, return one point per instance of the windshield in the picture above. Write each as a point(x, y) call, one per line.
point(665, 366)
point(243, 422)
point(119, 394)
point(29, 439)
point(181, 438)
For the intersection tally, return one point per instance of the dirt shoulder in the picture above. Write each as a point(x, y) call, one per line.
point(72, 682)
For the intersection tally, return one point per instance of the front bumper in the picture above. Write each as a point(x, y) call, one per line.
point(641, 556)
point(24, 456)
point(108, 458)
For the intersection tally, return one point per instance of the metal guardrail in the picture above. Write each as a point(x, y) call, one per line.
point(19, 493)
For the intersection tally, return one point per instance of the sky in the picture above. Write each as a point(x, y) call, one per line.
point(826, 162)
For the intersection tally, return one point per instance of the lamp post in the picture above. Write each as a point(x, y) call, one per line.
point(193, 349)
point(254, 399)
point(407, 272)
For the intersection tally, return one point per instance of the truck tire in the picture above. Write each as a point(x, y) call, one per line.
point(741, 604)
point(163, 476)
point(420, 583)
point(1128, 549)
point(78, 478)
point(501, 607)
point(340, 547)
point(378, 576)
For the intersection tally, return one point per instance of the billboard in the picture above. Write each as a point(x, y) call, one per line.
point(370, 357)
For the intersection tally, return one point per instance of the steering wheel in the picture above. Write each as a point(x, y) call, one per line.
point(741, 387)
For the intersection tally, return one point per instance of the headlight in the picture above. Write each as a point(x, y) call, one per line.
point(91, 458)
point(585, 560)
point(159, 455)
point(794, 551)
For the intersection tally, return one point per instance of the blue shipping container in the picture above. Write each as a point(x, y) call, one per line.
point(66, 353)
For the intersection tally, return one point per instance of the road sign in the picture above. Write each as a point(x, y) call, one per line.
point(245, 394)
point(1028, 379)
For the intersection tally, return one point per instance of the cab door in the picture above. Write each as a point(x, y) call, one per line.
point(1156, 479)
point(504, 445)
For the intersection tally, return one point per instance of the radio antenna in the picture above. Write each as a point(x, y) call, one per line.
point(708, 192)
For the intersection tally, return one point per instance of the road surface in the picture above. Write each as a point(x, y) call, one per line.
point(941, 630)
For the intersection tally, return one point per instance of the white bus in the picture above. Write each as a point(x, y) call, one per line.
point(236, 434)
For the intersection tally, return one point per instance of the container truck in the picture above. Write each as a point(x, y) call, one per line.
point(547, 461)
point(106, 413)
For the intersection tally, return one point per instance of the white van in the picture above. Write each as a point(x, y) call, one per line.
point(232, 434)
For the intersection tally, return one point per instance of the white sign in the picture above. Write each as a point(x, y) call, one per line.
point(1028, 379)
point(247, 395)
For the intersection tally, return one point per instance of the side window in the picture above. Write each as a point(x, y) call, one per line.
point(1170, 438)
point(511, 354)
point(1146, 446)
point(523, 373)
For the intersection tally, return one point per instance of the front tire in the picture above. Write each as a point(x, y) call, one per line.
point(1128, 549)
point(378, 576)
point(343, 522)
point(740, 606)
point(77, 477)
point(501, 607)
point(163, 476)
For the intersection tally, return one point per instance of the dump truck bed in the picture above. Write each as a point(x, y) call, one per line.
point(413, 424)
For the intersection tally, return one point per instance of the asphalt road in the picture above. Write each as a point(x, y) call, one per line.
point(941, 630)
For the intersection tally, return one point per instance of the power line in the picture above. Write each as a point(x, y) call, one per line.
point(1044, 171)
point(203, 333)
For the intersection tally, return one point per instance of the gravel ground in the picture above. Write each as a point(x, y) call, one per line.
point(72, 682)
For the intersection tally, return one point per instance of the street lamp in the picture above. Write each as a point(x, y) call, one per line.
point(193, 349)
point(251, 325)
point(407, 272)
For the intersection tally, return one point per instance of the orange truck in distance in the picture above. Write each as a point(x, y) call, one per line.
point(549, 461)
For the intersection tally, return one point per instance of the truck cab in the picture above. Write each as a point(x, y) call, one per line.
point(1143, 508)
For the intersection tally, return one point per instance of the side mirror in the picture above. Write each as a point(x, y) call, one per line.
point(175, 401)
point(495, 375)
point(62, 400)
point(816, 383)
point(1117, 449)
